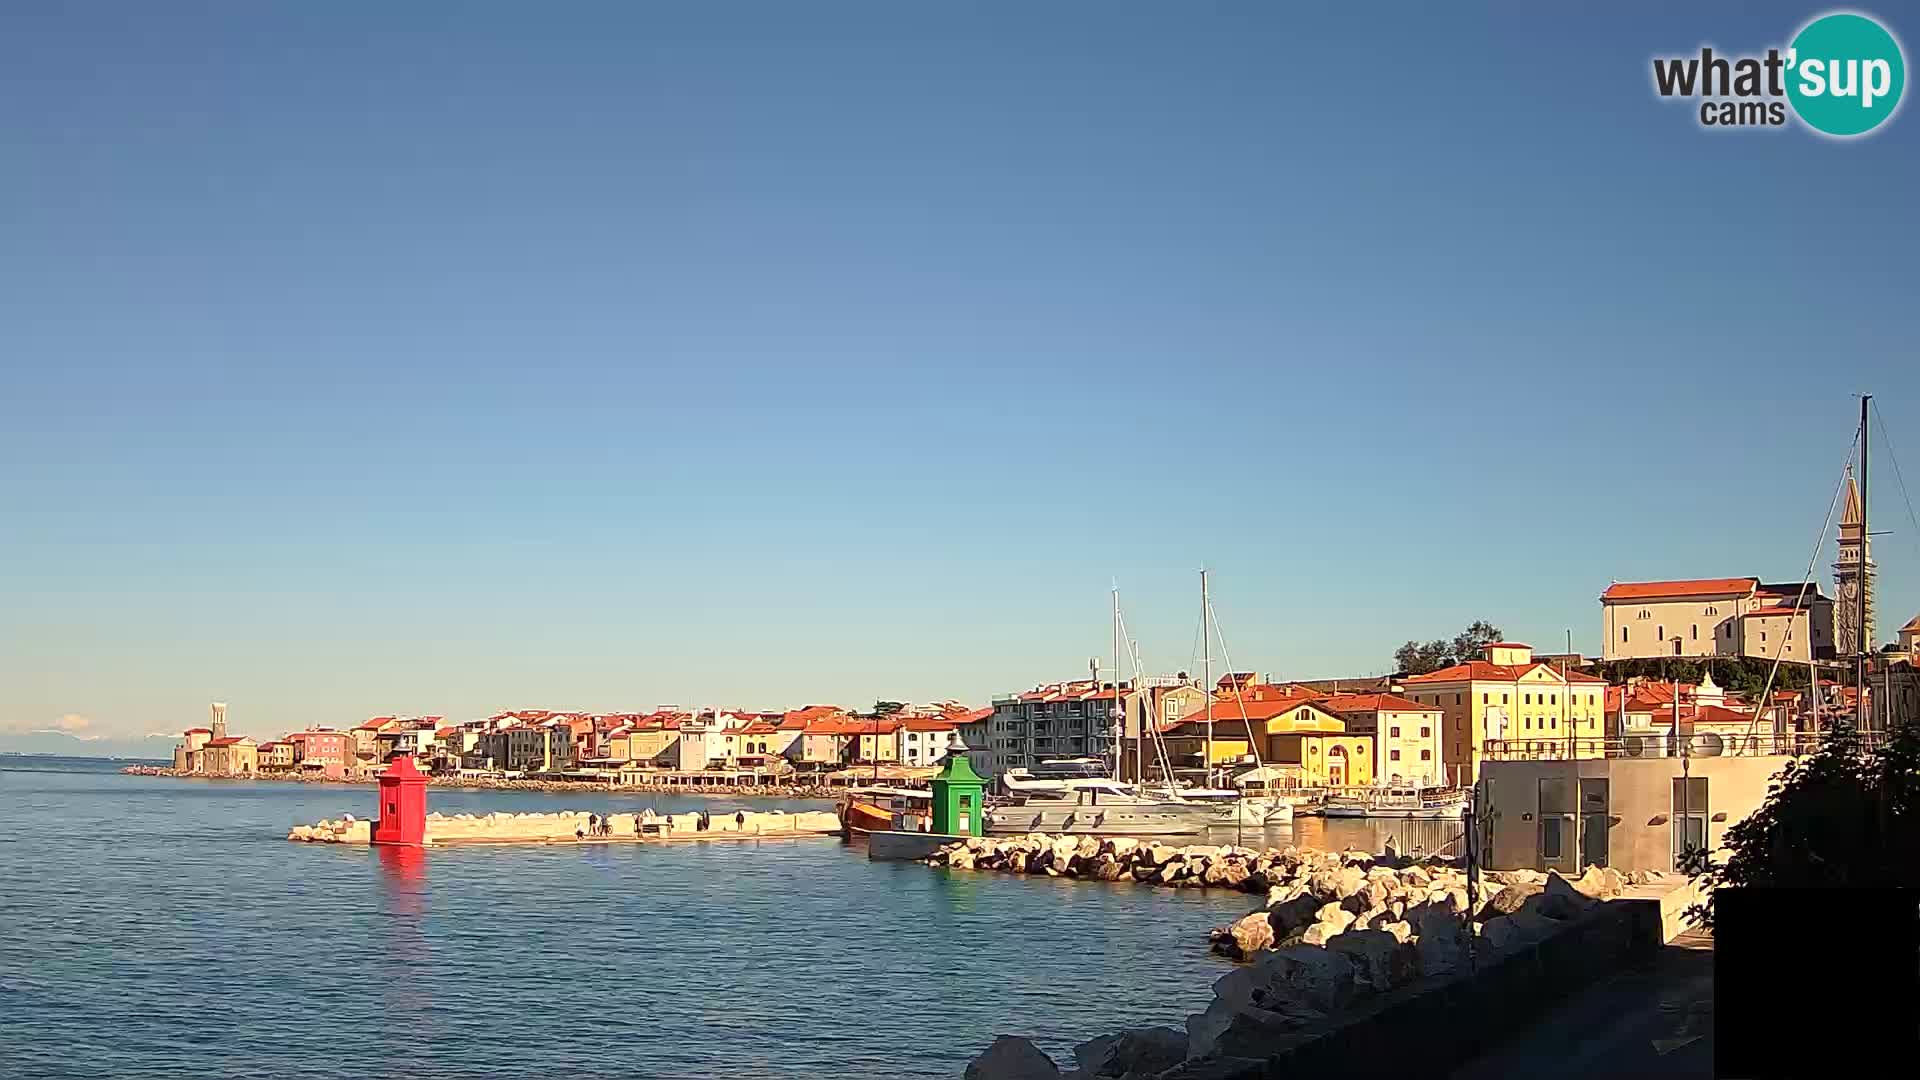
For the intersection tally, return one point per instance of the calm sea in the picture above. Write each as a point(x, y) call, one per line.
point(158, 927)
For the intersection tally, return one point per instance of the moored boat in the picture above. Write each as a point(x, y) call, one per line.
point(1417, 803)
point(883, 809)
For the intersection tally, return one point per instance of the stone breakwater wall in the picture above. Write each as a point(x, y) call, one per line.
point(570, 826)
point(1335, 931)
point(780, 791)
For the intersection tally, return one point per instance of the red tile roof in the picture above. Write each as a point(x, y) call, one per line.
point(1232, 712)
point(1343, 703)
point(198, 731)
point(1487, 672)
point(1661, 590)
point(928, 723)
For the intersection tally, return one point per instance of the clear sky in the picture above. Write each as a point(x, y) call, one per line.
point(360, 357)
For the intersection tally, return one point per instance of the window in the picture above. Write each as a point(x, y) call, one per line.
point(1528, 698)
point(1660, 632)
point(1393, 755)
point(1711, 610)
point(1555, 699)
point(1689, 817)
point(1426, 732)
point(1484, 697)
point(1456, 699)
point(1554, 723)
point(1763, 635)
point(1395, 732)
point(1694, 634)
point(1623, 635)
point(1526, 721)
point(1644, 614)
point(1426, 755)
point(1503, 699)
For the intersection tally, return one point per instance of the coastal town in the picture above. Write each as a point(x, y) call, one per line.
point(1715, 676)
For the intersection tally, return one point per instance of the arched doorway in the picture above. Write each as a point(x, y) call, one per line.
point(1337, 767)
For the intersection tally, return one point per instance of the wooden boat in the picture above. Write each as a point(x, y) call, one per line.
point(886, 809)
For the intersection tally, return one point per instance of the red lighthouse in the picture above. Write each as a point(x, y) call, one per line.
point(403, 804)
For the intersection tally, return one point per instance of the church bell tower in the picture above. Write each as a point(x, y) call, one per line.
point(1852, 576)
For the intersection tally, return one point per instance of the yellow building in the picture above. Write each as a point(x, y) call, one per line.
point(1406, 735)
point(1308, 745)
point(231, 757)
point(1509, 695)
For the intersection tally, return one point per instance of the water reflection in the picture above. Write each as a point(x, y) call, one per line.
point(401, 965)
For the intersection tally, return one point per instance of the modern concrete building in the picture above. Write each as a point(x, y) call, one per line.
point(1619, 810)
point(1076, 719)
point(1508, 695)
point(1705, 617)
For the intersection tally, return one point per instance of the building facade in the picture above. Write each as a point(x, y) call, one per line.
point(1406, 735)
point(1716, 617)
point(1508, 695)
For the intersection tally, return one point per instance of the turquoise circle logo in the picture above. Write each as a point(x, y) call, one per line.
point(1847, 74)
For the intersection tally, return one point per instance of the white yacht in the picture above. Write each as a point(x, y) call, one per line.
point(1101, 807)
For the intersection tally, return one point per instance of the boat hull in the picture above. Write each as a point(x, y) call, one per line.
point(1093, 821)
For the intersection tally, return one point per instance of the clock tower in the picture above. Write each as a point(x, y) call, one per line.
point(1852, 575)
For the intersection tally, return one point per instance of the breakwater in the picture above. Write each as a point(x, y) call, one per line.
point(1334, 931)
point(580, 826)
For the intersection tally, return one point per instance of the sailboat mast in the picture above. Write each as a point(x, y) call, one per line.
point(1116, 717)
point(1206, 673)
point(1862, 642)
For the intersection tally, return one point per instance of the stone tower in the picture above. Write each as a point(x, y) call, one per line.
point(219, 719)
point(1852, 575)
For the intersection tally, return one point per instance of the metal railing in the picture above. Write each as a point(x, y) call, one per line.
point(1657, 745)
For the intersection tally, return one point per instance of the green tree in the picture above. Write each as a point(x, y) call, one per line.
point(1471, 642)
point(888, 708)
point(1418, 658)
point(1844, 817)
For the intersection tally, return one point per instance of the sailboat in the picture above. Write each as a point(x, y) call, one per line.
point(1229, 807)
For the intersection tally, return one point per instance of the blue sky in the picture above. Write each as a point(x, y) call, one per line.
point(447, 358)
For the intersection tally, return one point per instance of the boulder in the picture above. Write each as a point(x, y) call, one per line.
point(1401, 931)
point(1601, 883)
point(1226, 1031)
point(1217, 1068)
point(1012, 1058)
point(1561, 899)
point(1507, 901)
point(1134, 1052)
point(1252, 933)
point(1293, 914)
point(1440, 942)
point(1381, 961)
point(1235, 875)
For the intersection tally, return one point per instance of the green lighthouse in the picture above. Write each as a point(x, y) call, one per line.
point(957, 794)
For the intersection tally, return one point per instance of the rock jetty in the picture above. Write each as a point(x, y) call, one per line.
point(1335, 929)
point(571, 826)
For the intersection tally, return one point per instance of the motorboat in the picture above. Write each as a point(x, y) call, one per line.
point(1053, 778)
point(1233, 807)
point(1399, 802)
point(1101, 808)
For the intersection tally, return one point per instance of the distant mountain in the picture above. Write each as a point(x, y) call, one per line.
point(153, 747)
